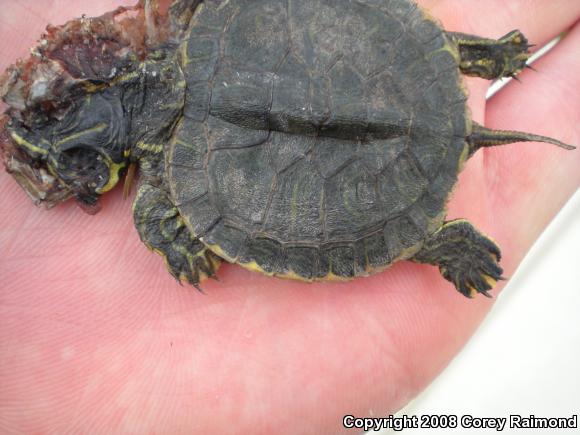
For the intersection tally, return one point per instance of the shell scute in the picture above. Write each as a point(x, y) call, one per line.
point(329, 133)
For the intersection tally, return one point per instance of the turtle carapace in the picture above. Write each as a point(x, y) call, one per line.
point(304, 139)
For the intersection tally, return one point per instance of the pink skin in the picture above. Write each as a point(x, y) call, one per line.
point(98, 338)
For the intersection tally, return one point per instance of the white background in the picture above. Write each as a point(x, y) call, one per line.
point(525, 357)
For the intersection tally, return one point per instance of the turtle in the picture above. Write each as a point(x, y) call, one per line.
point(313, 140)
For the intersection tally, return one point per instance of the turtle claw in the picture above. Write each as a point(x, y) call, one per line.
point(162, 229)
point(516, 78)
point(466, 257)
point(198, 288)
point(490, 58)
point(528, 66)
point(190, 263)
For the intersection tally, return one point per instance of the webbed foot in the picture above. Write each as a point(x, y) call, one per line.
point(162, 229)
point(465, 257)
point(492, 58)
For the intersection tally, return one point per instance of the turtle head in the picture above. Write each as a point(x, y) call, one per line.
point(81, 153)
point(79, 105)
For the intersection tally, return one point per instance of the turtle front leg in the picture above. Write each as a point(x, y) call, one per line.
point(466, 257)
point(491, 58)
point(162, 229)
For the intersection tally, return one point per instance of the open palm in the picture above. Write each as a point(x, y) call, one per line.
point(98, 338)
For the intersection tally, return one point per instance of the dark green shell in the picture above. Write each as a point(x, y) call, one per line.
point(320, 138)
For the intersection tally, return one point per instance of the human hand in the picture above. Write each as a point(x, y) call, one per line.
point(97, 337)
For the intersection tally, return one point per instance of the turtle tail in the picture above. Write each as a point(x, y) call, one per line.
point(485, 137)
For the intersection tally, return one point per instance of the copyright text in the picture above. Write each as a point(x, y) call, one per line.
point(451, 421)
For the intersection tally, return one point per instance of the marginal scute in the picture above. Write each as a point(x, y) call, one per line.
point(429, 34)
point(419, 219)
point(430, 204)
point(401, 234)
point(189, 146)
point(324, 136)
point(200, 58)
point(461, 124)
point(210, 18)
point(303, 261)
point(440, 186)
point(268, 254)
point(197, 99)
point(338, 261)
point(376, 251)
point(405, 11)
point(444, 60)
point(227, 238)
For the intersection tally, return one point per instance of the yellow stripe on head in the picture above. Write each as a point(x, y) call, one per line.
point(24, 143)
point(96, 129)
point(114, 176)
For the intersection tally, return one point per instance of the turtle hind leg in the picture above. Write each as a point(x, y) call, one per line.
point(466, 257)
point(162, 229)
point(491, 58)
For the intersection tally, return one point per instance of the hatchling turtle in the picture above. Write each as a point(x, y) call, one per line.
point(304, 139)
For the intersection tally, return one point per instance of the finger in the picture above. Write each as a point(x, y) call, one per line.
point(388, 335)
point(536, 180)
point(539, 20)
